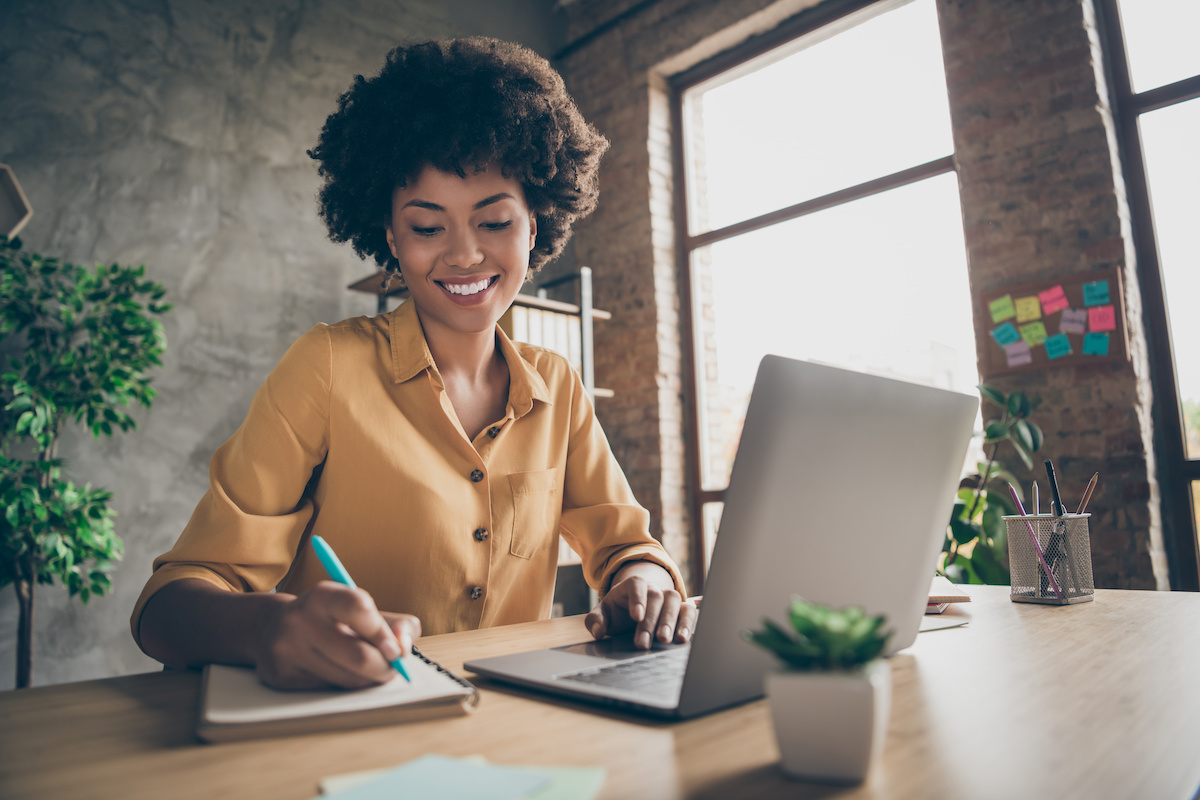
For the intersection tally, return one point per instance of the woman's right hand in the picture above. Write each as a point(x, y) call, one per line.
point(332, 635)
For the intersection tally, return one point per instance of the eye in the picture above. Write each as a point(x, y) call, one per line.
point(496, 226)
point(425, 231)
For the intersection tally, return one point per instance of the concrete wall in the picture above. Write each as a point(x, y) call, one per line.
point(173, 133)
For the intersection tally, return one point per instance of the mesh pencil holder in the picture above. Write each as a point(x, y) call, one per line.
point(1058, 569)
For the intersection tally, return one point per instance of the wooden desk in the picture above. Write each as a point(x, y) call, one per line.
point(1099, 700)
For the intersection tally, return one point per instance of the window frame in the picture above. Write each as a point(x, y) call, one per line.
point(827, 13)
point(1176, 471)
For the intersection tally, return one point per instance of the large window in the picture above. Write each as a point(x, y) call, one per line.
point(1156, 81)
point(821, 214)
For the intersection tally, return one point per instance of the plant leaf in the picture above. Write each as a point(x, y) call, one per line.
point(1024, 435)
point(993, 395)
point(1036, 436)
point(995, 430)
point(963, 531)
point(1018, 405)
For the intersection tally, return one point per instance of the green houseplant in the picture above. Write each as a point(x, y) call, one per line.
point(831, 698)
point(976, 547)
point(80, 348)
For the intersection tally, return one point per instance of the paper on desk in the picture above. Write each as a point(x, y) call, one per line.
point(938, 623)
point(562, 783)
point(447, 779)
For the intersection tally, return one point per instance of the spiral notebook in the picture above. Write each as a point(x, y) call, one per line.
point(235, 705)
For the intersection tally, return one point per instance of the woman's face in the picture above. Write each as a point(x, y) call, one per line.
point(463, 246)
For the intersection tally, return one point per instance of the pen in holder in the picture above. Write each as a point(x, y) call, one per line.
point(1066, 552)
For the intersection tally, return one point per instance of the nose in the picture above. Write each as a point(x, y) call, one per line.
point(462, 248)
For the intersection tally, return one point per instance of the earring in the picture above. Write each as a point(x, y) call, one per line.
point(394, 278)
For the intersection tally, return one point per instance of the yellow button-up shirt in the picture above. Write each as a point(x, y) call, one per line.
point(352, 437)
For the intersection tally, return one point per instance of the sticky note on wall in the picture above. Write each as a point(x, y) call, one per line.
point(1028, 308)
point(1096, 293)
point(1002, 308)
point(1073, 320)
point(1018, 353)
point(1034, 333)
point(1006, 334)
point(1095, 344)
point(1057, 346)
point(1053, 299)
point(1102, 318)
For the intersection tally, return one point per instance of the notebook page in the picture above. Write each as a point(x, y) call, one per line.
point(235, 695)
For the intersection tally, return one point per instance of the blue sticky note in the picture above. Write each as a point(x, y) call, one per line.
point(1005, 334)
point(1095, 344)
point(448, 779)
point(1057, 346)
point(1095, 293)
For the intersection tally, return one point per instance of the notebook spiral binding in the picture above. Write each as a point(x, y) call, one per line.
point(473, 700)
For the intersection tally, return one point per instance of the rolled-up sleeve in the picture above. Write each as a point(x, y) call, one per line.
point(601, 519)
point(245, 531)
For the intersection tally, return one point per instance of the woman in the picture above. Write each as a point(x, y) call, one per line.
point(440, 460)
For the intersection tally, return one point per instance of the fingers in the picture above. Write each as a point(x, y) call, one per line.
point(356, 610)
point(406, 628)
point(643, 635)
point(333, 634)
point(668, 618)
point(651, 612)
point(597, 621)
point(689, 612)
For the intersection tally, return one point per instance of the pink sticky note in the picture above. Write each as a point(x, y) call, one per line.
point(1102, 318)
point(1053, 299)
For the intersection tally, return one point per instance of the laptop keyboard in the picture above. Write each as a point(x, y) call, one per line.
point(659, 674)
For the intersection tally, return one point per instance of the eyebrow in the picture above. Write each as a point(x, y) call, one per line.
point(487, 201)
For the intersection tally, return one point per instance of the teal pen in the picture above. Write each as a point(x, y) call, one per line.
point(329, 561)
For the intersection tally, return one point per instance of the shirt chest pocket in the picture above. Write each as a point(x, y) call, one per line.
point(536, 511)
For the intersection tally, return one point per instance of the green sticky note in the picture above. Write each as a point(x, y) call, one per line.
point(1057, 346)
point(1095, 344)
point(1002, 308)
point(448, 779)
point(568, 783)
point(1034, 333)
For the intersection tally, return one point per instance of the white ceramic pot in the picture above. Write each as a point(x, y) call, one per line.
point(830, 725)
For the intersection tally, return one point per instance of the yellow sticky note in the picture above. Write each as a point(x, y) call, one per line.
point(1028, 308)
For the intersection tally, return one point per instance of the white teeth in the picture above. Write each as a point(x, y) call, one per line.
point(467, 288)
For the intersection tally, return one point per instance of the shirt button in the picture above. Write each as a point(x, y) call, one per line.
point(481, 534)
point(494, 431)
point(476, 475)
point(476, 592)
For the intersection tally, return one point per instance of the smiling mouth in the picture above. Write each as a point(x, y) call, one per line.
point(467, 289)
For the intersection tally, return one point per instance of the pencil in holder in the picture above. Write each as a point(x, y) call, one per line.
point(1050, 559)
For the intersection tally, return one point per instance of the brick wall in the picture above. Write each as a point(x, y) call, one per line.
point(1042, 197)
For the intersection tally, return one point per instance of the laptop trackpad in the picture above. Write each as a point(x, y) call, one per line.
point(615, 649)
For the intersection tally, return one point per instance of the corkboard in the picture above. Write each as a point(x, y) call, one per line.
point(997, 322)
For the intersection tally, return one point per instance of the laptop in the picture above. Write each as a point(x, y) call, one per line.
point(840, 493)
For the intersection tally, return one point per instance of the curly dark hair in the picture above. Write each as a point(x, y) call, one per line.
point(457, 105)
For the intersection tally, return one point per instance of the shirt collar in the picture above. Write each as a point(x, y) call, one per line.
point(410, 353)
point(411, 356)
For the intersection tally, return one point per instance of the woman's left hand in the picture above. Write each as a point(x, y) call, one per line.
point(643, 599)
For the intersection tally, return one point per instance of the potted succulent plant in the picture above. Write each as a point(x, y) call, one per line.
point(831, 698)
